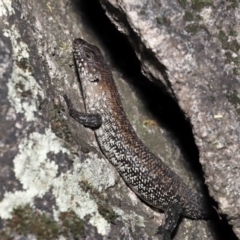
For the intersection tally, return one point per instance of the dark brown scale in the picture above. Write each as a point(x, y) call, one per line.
point(143, 172)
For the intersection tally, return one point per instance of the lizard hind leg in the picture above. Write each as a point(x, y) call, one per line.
point(172, 215)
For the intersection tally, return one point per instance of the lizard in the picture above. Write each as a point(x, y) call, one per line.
point(146, 174)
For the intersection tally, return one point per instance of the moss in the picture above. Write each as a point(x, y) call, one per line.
point(233, 98)
point(232, 4)
point(159, 2)
point(60, 127)
point(20, 89)
point(203, 27)
point(223, 38)
point(26, 220)
point(230, 58)
point(142, 12)
point(199, 17)
point(85, 149)
point(26, 93)
point(197, 5)
point(24, 65)
point(195, 27)
point(5, 236)
point(162, 20)
point(71, 225)
point(188, 16)
point(232, 32)
point(86, 187)
point(192, 28)
point(107, 212)
point(183, 3)
point(212, 99)
point(104, 208)
point(232, 45)
point(59, 124)
point(191, 16)
point(235, 71)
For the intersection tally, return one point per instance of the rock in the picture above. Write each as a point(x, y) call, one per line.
point(192, 47)
point(55, 183)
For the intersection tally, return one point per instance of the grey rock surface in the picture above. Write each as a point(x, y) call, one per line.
point(192, 47)
point(51, 167)
point(55, 183)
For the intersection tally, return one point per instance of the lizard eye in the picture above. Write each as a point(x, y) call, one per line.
point(88, 56)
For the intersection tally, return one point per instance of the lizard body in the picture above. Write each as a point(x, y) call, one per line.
point(147, 175)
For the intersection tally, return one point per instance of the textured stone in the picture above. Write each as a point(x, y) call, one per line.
point(54, 165)
point(49, 163)
point(198, 44)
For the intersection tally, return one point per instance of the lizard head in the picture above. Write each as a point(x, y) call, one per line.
point(95, 76)
point(89, 60)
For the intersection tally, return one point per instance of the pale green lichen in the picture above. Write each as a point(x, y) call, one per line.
point(32, 166)
point(37, 174)
point(69, 195)
point(132, 218)
point(102, 176)
point(33, 169)
point(20, 49)
point(6, 9)
point(23, 89)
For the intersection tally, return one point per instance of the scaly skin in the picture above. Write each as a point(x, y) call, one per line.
point(143, 172)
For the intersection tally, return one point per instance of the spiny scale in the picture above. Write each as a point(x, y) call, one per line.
point(144, 173)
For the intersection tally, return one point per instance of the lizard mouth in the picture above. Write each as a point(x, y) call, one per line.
point(78, 44)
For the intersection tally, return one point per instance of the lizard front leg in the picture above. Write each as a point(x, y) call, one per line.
point(87, 119)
